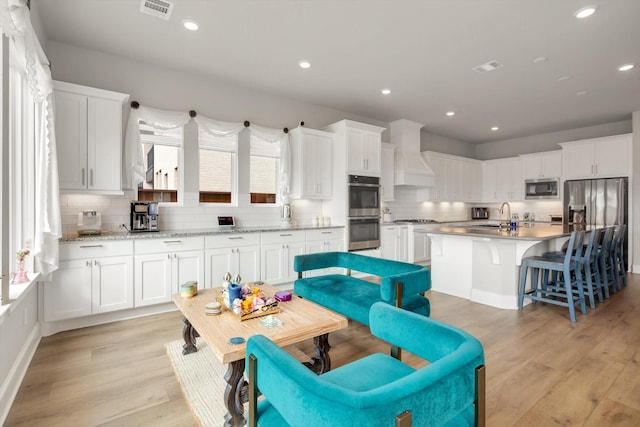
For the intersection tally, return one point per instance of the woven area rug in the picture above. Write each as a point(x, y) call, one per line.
point(201, 377)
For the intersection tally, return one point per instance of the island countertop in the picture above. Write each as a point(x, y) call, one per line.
point(535, 231)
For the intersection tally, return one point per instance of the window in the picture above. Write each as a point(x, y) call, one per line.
point(264, 165)
point(218, 166)
point(162, 155)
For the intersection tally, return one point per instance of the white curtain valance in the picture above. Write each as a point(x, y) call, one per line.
point(133, 170)
point(217, 128)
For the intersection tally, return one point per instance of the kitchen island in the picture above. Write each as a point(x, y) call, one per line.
point(481, 262)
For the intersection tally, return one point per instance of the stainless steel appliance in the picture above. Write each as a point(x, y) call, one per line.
point(596, 202)
point(479, 213)
point(364, 212)
point(89, 222)
point(364, 196)
point(544, 188)
point(364, 233)
point(144, 216)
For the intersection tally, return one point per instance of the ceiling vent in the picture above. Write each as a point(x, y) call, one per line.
point(158, 8)
point(489, 66)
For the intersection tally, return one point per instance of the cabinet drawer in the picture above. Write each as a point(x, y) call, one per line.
point(232, 240)
point(326, 234)
point(169, 244)
point(284, 236)
point(95, 249)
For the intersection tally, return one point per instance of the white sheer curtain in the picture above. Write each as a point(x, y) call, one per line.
point(217, 128)
point(133, 171)
point(278, 136)
point(15, 21)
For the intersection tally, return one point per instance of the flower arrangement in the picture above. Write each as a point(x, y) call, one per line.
point(22, 254)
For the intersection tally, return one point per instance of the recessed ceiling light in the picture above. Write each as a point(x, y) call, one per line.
point(451, 113)
point(495, 128)
point(582, 92)
point(386, 91)
point(626, 67)
point(563, 78)
point(190, 25)
point(585, 12)
point(304, 64)
point(540, 60)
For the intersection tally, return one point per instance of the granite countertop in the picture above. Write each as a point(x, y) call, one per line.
point(534, 231)
point(123, 235)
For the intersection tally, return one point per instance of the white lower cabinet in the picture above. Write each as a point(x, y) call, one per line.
point(326, 240)
point(89, 280)
point(162, 265)
point(394, 242)
point(277, 253)
point(235, 254)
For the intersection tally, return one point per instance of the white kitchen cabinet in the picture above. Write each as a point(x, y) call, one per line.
point(89, 138)
point(362, 144)
point(502, 180)
point(387, 188)
point(394, 242)
point(311, 154)
point(604, 157)
point(457, 179)
point(437, 163)
point(90, 280)
point(325, 240)
point(542, 165)
point(233, 253)
point(162, 265)
point(277, 253)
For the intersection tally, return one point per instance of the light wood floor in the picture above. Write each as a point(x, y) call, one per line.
point(542, 370)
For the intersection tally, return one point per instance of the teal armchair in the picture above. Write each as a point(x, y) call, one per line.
point(377, 390)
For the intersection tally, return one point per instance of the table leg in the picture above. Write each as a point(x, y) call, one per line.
point(189, 334)
point(321, 362)
point(235, 394)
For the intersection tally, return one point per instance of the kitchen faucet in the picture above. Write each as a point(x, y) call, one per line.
point(508, 214)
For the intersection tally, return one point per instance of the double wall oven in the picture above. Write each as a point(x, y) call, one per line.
point(364, 212)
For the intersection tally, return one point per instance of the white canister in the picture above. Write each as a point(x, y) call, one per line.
point(315, 221)
point(387, 217)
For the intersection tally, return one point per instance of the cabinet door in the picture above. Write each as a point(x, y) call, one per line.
point(388, 241)
point(152, 282)
point(372, 152)
point(71, 140)
point(515, 180)
point(316, 166)
point(387, 174)
point(532, 167)
point(219, 262)
point(273, 265)
point(578, 161)
point(248, 262)
point(187, 266)
point(293, 249)
point(403, 244)
point(490, 180)
point(104, 147)
point(552, 164)
point(112, 284)
point(422, 247)
point(69, 293)
point(452, 179)
point(355, 155)
point(612, 158)
point(438, 192)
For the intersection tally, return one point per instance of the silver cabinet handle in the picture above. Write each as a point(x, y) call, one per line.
point(87, 264)
point(82, 176)
point(91, 177)
point(326, 232)
point(168, 256)
point(285, 235)
point(90, 246)
point(172, 241)
point(95, 262)
point(235, 238)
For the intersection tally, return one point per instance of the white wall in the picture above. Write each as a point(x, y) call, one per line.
point(547, 141)
point(442, 144)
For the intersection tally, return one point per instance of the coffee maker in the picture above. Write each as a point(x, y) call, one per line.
point(144, 216)
point(479, 213)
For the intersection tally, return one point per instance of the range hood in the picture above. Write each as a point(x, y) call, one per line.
point(410, 168)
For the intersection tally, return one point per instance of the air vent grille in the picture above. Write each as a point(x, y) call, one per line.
point(158, 8)
point(489, 66)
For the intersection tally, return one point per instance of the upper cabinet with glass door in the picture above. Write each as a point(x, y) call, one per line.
point(89, 138)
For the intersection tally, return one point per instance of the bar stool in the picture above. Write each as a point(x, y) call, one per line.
point(562, 291)
point(617, 255)
point(607, 272)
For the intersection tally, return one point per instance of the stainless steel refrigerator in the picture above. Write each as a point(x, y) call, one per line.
point(599, 202)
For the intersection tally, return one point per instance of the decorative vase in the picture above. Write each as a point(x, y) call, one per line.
point(21, 273)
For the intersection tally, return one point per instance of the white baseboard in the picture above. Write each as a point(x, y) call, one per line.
point(635, 269)
point(50, 328)
point(11, 384)
point(509, 302)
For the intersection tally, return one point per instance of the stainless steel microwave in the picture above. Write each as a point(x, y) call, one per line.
point(543, 188)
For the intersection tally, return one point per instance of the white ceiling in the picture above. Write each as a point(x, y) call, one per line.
point(423, 50)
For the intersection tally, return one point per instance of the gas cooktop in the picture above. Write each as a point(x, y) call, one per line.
point(418, 221)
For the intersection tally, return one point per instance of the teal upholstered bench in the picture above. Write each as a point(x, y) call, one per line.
point(402, 284)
